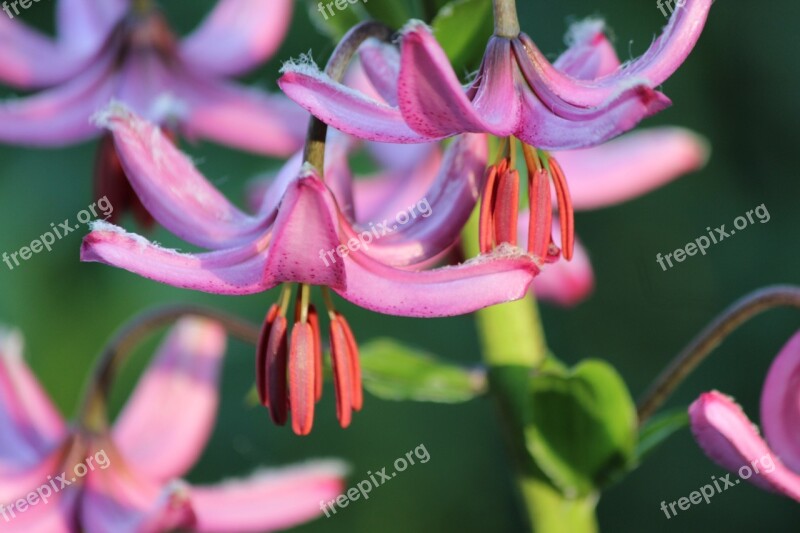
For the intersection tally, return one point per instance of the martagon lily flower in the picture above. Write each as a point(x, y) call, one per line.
point(731, 440)
point(303, 235)
point(585, 98)
point(56, 478)
point(121, 49)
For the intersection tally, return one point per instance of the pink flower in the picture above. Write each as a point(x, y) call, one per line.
point(303, 234)
point(116, 50)
point(585, 98)
point(60, 479)
point(732, 441)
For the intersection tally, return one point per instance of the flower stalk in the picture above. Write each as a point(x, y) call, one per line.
point(506, 23)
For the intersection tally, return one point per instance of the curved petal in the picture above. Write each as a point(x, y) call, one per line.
point(631, 166)
point(544, 129)
point(57, 515)
point(29, 59)
point(590, 54)
point(344, 108)
point(434, 103)
point(268, 500)
point(780, 404)
point(306, 228)
point(32, 426)
point(118, 499)
point(422, 227)
point(501, 276)
point(176, 399)
point(381, 64)
point(58, 116)
point(566, 283)
point(85, 25)
point(233, 271)
point(663, 57)
point(241, 117)
point(170, 187)
point(732, 441)
point(237, 35)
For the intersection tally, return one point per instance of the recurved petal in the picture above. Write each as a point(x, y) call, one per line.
point(732, 441)
point(58, 116)
point(632, 165)
point(381, 64)
point(780, 404)
point(170, 187)
point(490, 279)
point(268, 500)
point(306, 228)
point(590, 54)
point(58, 514)
point(434, 103)
point(84, 25)
point(32, 427)
point(237, 35)
point(663, 57)
point(344, 108)
point(411, 229)
point(242, 117)
point(232, 271)
point(119, 499)
point(544, 129)
point(176, 399)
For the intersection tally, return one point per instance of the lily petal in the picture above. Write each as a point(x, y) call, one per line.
point(30, 59)
point(170, 187)
point(566, 283)
point(119, 499)
point(259, 30)
point(232, 271)
point(502, 276)
point(58, 515)
point(780, 404)
point(84, 25)
point(732, 441)
point(244, 118)
point(632, 165)
point(660, 61)
point(185, 372)
point(344, 108)
point(268, 500)
point(434, 103)
point(381, 64)
point(58, 116)
point(590, 54)
point(32, 426)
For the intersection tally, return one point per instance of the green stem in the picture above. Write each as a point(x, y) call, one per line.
point(506, 23)
point(708, 339)
point(513, 346)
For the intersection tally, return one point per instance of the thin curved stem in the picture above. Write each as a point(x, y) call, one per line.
point(93, 416)
point(314, 151)
point(708, 339)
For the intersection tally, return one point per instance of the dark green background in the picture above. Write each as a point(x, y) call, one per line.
point(739, 88)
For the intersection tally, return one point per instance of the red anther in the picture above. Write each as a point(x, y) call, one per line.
point(565, 212)
point(541, 217)
point(261, 355)
point(313, 321)
point(342, 374)
point(486, 229)
point(506, 208)
point(301, 378)
point(355, 365)
point(276, 371)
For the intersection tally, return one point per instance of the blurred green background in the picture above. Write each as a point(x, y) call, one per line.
point(738, 88)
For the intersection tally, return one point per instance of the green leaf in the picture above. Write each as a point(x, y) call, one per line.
point(659, 428)
point(581, 427)
point(463, 28)
point(394, 371)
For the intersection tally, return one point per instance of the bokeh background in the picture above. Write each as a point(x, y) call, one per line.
point(739, 89)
